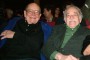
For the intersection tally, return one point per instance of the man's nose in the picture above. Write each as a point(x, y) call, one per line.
point(71, 17)
point(33, 13)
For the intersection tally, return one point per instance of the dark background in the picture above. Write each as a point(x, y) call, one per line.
point(19, 4)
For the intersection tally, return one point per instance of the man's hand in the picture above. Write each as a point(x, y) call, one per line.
point(60, 56)
point(7, 34)
point(87, 50)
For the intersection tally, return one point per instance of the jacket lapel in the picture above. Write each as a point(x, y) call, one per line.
point(61, 35)
point(78, 32)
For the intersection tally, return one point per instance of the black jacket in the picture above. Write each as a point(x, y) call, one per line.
point(85, 44)
point(73, 46)
point(26, 43)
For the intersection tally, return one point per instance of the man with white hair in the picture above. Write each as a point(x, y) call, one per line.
point(65, 42)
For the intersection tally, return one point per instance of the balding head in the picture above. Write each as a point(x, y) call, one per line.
point(33, 6)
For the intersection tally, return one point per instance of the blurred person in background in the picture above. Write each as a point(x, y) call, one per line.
point(58, 16)
point(48, 12)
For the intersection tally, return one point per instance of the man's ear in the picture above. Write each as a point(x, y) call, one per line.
point(24, 13)
point(40, 14)
point(64, 19)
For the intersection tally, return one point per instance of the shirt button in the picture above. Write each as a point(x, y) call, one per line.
point(72, 34)
point(26, 29)
point(62, 50)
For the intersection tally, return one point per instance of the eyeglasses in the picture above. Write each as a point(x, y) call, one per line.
point(36, 12)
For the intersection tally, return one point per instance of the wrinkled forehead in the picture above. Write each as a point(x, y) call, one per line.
point(72, 9)
point(33, 6)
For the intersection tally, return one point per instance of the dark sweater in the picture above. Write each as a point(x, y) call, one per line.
point(26, 43)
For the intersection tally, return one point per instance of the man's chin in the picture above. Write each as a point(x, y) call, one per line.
point(34, 22)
